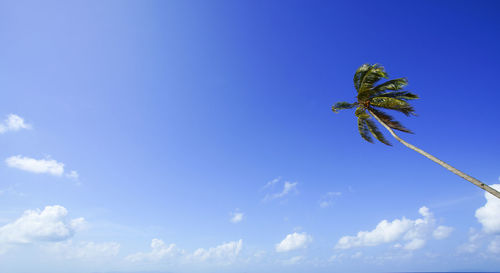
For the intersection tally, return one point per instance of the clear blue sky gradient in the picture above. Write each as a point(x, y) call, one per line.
point(177, 113)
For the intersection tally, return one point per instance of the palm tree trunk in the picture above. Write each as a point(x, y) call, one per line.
point(440, 162)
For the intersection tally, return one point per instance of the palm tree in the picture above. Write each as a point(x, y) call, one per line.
point(389, 95)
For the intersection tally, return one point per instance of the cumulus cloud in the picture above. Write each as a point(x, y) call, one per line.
point(224, 253)
point(85, 250)
point(159, 251)
point(49, 166)
point(13, 123)
point(50, 224)
point(486, 241)
point(236, 217)
point(412, 233)
point(489, 214)
point(294, 241)
point(327, 199)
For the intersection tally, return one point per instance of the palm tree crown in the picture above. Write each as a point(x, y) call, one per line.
point(389, 95)
point(372, 97)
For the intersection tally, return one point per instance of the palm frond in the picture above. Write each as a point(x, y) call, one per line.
point(387, 119)
point(402, 95)
point(343, 105)
point(360, 72)
point(363, 130)
point(368, 79)
point(393, 104)
point(396, 84)
point(361, 113)
point(376, 132)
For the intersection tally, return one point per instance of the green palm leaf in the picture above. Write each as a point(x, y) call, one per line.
point(368, 79)
point(361, 113)
point(360, 73)
point(387, 119)
point(363, 130)
point(396, 84)
point(402, 95)
point(342, 105)
point(393, 104)
point(376, 132)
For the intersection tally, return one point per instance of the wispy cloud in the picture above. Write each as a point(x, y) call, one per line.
point(72, 174)
point(288, 187)
point(481, 244)
point(85, 250)
point(327, 200)
point(271, 183)
point(225, 253)
point(294, 260)
point(159, 251)
point(13, 123)
point(236, 217)
point(39, 166)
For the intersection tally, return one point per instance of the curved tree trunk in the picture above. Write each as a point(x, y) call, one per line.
point(440, 162)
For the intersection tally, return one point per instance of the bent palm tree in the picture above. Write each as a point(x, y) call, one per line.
point(389, 95)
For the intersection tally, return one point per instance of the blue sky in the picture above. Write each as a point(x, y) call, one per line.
point(197, 136)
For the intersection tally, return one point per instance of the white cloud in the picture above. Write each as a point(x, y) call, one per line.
point(50, 224)
point(442, 232)
point(489, 214)
point(327, 199)
point(159, 251)
point(223, 253)
point(482, 244)
point(473, 244)
point(357, 255)
point(287, 188)
point(49, 166)
point(385, 232)
point(271, 183)
point(494, 246)
point(415, 243)
point(236, 217)
point(412, 233)
point(72, 174)
point(85, 250)
point(13, 123)
point(294, 260)
point(294, 241)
